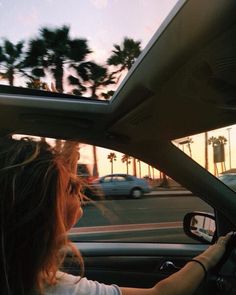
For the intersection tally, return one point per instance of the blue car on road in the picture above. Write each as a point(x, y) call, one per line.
point(120, 184)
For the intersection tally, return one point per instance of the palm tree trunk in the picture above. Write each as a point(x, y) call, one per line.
point(139, 163)
point(95, 162)
point(11, 77)
point(59, 77)
point(127, 167)
point(134, 167)
point(149, 171)
point(93, 90)
point(164, 182)
point(111, 167)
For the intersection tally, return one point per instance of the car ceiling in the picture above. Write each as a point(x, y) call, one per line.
point(182, 84)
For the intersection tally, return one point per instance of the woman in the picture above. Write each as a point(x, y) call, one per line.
point(40, 201)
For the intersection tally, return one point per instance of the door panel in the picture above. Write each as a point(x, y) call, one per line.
point(122, 186)
point(131, 264)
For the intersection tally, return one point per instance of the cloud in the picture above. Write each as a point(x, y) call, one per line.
point(100, 4)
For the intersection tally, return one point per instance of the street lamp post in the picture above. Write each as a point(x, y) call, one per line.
point(228, 129)
point(206, 151)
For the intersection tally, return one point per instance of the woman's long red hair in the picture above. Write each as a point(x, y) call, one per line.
point(34, 186)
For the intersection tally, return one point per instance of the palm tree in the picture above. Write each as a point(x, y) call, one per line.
point(53, 50)
point(36, 83)
point(218, 151)
point(107, 94)
point(134, 167)
point(95, 162)
point(34, 75)
point(149, 171)
point(124, 55)
point(112, 158)
point(91, 76)
point(126, 159)
point(139, 167)
point(164, 182)
point(11, 57)
point(217, 140)
point(153, 173)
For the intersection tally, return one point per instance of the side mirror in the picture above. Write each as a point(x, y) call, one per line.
point(200, 226)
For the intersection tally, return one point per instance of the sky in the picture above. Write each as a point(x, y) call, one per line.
point(102, 22)
point(197, 150)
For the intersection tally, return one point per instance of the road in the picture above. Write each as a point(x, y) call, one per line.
point(147, 218)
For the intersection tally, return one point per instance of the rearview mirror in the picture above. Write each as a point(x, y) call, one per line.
point(200, 226)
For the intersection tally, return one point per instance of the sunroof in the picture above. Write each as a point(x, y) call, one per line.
point(78, 47)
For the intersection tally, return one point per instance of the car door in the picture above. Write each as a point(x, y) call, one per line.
point(121, 185)
point(107, 185)
point(132, 265)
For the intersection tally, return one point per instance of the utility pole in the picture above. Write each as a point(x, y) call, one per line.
point(206, 150)
point(228, 129)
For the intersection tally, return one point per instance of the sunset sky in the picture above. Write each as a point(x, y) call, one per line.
point(197, 148)
point(102, 22)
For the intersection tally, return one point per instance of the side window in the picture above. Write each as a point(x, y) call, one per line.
point(119, 178)
point(150, 208)
point(129, 178)
point(107, 179)
point(215, 150)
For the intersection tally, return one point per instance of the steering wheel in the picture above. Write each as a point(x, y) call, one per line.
point(222, 278)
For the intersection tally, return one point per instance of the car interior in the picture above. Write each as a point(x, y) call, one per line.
point(182, 84)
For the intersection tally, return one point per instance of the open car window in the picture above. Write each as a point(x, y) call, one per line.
point(114, 214)
point(114, 209)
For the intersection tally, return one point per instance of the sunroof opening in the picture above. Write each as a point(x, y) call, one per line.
point(80, 48)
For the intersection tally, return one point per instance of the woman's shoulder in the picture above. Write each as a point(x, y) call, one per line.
point(71, 285)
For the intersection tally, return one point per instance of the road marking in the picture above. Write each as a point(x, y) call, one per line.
point(126, 227)
point(169, 192)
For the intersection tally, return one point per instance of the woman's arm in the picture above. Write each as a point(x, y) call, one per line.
point(186, 280)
